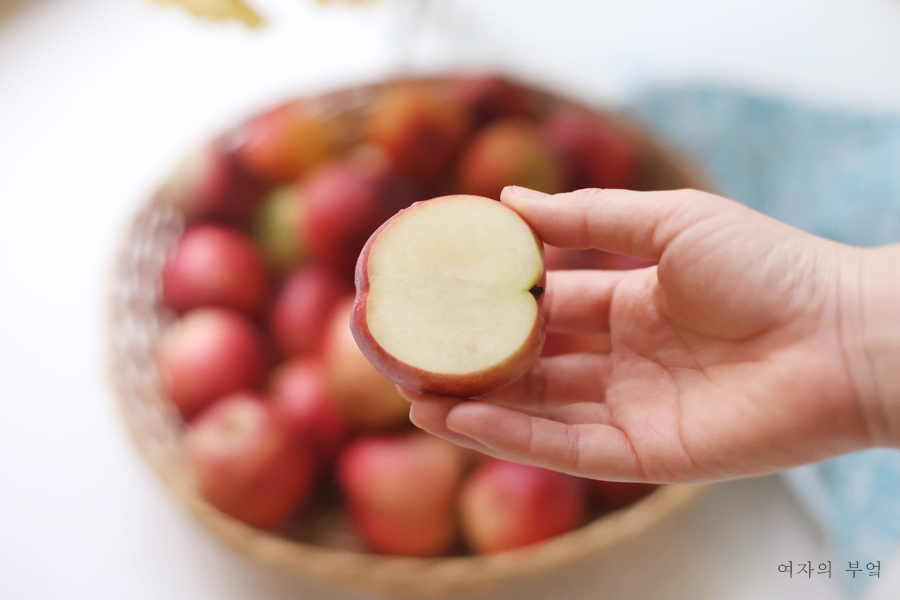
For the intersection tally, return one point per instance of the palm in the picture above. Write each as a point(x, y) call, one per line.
point(723, 362)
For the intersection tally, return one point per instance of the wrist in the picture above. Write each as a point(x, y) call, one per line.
point(871, 333)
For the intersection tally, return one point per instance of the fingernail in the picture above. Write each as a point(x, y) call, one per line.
point(527, 193)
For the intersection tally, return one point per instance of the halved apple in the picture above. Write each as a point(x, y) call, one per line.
point(449, 295)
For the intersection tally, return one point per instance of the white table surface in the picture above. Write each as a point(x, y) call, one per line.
point(99, 99)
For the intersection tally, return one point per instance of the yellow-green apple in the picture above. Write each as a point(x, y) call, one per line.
point(596, 150)
point(420, 126)
point(284, 143)
point(209, 353)
point(449, 295)
point(302, 307)
point(278, 228)
point(366, 397)
point(491, 97)
point(506, 505)
point(509, 152)
point(344, 202)
point(408, 484)
point(614, 495)
point(212, 265)
point(213, 184)
point(302, 403)
point(246, 464)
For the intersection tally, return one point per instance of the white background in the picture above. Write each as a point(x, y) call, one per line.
point(99, 99)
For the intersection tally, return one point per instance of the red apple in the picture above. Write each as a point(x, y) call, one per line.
point(402, 492)
point(278, 228)
point(449, 297)
point(509, 152)
point(302, 308)
point(213, 265)
point(414, 474)
point(345, 201)
point(283, 144)
point(245, 464)
point(212, 184)
point(570, 343)
point(366, 397)
point(506, 505)
point(209, 353)
point(406, 536)
point(617, 494)
point(302, 403)
point(420, 126)
point(491, 97)
point(597, 151)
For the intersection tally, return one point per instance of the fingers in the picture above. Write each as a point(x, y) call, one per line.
point(429, 413)
point(556, 380)
point(597, 450)
point(579, 301)
point(637, 224)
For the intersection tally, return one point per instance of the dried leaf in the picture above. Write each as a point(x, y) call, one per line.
point(220, 10)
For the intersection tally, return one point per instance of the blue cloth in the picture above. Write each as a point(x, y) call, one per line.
point(834, 174)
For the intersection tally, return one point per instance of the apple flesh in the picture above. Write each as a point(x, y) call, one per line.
point(449, 296)
point(283, 144)
point(302, 308)
point(509, 152)
point(278, 227)
point(213, 265)
point(245, 464)
point(366, 397)
point(402, 491)
point(506, 505)
point(301, 401)
point(209, 353)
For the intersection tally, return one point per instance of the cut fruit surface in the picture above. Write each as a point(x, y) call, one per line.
point(449, 296)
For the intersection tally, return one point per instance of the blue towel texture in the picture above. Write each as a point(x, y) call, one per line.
point(837, 175)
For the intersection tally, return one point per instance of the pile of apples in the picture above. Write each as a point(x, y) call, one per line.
point(281, 408)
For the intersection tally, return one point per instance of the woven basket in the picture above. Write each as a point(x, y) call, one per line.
point(316, 546)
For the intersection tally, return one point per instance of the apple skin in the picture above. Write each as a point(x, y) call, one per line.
point(509, 152)
point(491, 97)
point(302, 307)
point(366, 398)
point(413, 474)
point(345, 201)
point(571, 343)
point(401, 492)
point(209, 353)
point(420, 126)
point(278, 229)
point(301, 402)
point(614, 495)
point(596, 150)
point(406, 536)
point(506, 505)
point(212, 184)
point(464, 385)
point(213, 265)
point(246, 464)
point(284, 143)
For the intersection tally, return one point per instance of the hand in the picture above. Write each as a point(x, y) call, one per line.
point(728, 359)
